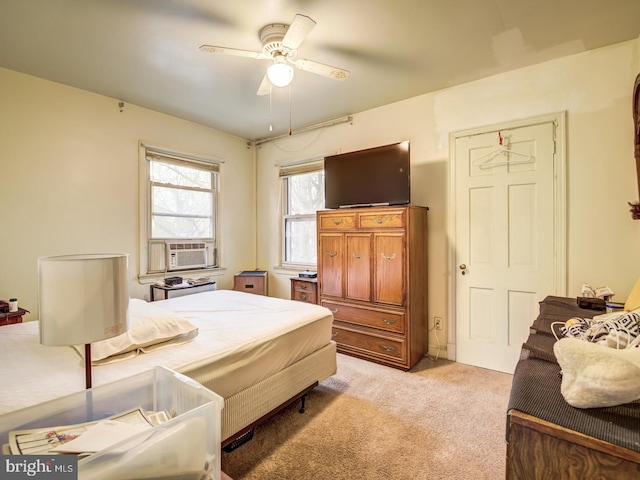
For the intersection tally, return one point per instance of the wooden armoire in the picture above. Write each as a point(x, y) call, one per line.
point(372, 274)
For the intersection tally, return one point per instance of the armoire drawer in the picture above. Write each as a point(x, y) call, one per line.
point(385, 219)
point(337, 221)
point(389, 320)
point(369, 344)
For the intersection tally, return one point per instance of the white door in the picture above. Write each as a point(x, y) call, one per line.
point(505, 240)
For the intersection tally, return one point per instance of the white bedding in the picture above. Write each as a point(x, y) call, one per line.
point(243, 338)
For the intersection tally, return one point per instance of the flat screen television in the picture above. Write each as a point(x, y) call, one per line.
point(375, 176)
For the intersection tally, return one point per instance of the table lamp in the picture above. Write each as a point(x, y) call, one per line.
point(82, 299)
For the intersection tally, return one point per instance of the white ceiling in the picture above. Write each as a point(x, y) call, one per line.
point(145, 52)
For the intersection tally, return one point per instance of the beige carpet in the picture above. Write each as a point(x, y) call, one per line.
point(441, 420)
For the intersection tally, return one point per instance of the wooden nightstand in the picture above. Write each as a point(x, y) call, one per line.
point(7, 318)
point(304, 289)
point(251, 281)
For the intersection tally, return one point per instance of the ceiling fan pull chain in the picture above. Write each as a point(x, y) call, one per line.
point(289, 109)
point(270, 109)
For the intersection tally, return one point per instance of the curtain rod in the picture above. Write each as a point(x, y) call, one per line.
point(330, 123)
point(180, 155)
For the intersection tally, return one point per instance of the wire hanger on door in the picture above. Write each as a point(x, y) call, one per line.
point(487, 160)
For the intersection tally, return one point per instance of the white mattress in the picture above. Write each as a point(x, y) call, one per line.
point(243, 338)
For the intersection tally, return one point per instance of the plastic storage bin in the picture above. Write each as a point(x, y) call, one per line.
point(185, 447)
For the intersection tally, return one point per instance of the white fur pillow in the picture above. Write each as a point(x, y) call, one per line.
point(595, 376)
point(150, 328)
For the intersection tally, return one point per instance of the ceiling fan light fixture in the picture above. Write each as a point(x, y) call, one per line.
point(280, 74)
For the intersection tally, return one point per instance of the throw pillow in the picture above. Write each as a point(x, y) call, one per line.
point(595, 376)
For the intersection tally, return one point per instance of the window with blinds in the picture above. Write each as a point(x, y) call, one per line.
point(182, 194)
point(302, 196)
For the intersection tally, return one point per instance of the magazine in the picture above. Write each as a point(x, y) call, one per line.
point(98, 434)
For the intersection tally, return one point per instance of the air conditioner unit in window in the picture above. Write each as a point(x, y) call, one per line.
point(184, 255)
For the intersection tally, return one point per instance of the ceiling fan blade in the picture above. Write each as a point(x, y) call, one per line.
point(234, 51)
point(322, 69)
point(297, 31)
point(265, 86)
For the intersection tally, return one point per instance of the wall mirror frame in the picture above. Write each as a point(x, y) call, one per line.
point(635, 207)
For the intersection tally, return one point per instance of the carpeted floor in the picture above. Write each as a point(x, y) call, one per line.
point(441, 420)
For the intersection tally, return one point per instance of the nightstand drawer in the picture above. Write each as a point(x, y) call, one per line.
point(304, 290)
point(9, 318)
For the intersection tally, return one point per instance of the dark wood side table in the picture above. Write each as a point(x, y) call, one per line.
point(304, 289)
point(7, 318)
point(251, 281)
point(165, 291)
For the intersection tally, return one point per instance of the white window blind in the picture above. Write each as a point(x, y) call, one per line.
point(182, 197)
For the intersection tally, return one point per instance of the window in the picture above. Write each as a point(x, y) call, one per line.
point(303, 195)
point(178, 203)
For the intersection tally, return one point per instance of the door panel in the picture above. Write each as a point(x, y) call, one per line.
point(521, 305)
point(389, 256)
point(331, 249)
point(522, 221)
point(480, 232)
point(481, 301)
point(358, 267)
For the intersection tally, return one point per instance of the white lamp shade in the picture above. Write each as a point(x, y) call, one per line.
point(82, 298)
point(280, 74)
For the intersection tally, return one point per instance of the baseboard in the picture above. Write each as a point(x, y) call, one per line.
point(437, 351)
point(451, 352)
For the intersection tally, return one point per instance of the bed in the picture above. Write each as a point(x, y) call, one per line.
point(259, 353)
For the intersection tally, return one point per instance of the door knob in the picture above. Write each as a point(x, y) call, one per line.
point(463, 266)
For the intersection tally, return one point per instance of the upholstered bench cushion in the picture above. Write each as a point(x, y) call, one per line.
point(558, 309)
point(536, 384)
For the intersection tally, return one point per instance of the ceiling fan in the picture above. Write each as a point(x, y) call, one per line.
point(280, 44)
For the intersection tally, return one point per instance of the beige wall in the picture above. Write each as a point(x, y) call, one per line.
point(69, 180)
point(594, 89)
point(68, 170)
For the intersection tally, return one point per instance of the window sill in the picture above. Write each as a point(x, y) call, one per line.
point(293, 270)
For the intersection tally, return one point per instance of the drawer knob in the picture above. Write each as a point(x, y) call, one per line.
point(381, 220)
point(338, 221)
point(334, 311)
point(356, 256)
point(331, 254)
point(303, 286)
point(388, 349)
point(334, 334)
point(303, 297)
point(389, 322)
point(388, 258)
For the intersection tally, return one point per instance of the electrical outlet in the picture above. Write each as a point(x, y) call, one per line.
point(437, 323)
